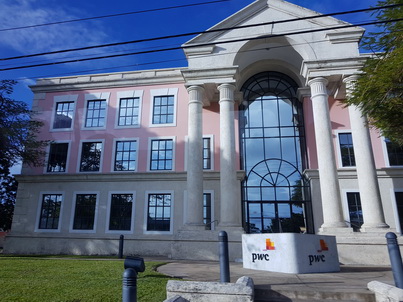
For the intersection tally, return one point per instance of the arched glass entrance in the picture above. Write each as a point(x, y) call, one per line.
point(275, 196)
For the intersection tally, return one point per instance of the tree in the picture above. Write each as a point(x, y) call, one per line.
point(379, 89)
point(18, 143)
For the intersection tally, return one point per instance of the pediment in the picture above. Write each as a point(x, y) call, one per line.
point(266, 11)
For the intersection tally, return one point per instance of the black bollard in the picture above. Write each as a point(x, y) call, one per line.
point(129, 292)
point(395, 258)
point(224, 259)
point(121, 239)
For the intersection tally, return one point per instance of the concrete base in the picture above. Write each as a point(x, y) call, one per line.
point(385, 292)
point(241, 291)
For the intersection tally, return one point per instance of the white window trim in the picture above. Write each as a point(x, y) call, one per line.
point(108, 213)
point(73, 208)
point(211, 137)
point(338, 149)
point(95, 97)
point(63, 99)
point(163, 92)
point(45, 170)
point(38, 212)
point(114, 153)
point(170, 232)
point(346, 212)
point(128, 94)
point(385, 154)
point(185, 196)
point(150, 139)
point(394, 208)
point(80, 149)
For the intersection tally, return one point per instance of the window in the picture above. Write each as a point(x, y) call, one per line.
point(96, 113)
point(84, 213)
point(50, 211)
point(207, 210)
point(91, 156)
point(395, 153)
point(125, 156)
point(159, 212)
point(128, 112)
point(121, 212)
point(355, 211)
point(206, 153)
point(57, 157)
point(161, 154)
point(163, 109)
point(64, 113)
point(346, 150)
point(399, 204)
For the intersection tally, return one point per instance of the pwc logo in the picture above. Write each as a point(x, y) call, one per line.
point(323, 246)
point(269, 245)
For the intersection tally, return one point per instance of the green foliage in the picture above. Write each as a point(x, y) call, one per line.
point(79, 280)
point(18, 131)
point(379, 90)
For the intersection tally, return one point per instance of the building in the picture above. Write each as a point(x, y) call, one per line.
point(251, 137)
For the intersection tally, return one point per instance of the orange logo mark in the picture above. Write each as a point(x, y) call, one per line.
point(323, 246)
point(269, 244)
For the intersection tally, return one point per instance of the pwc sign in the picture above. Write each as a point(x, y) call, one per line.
point(290, 253)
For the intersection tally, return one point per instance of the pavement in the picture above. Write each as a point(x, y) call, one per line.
point(351, 279)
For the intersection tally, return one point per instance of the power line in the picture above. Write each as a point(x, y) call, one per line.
point(113, 15)
point(196, 33)
point(202, 44)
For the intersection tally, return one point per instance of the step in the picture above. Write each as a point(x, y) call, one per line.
point(264, 294)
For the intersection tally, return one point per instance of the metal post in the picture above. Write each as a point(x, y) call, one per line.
point(129, 292)
point(395, 258)
point(224, 259)
point(121, 239)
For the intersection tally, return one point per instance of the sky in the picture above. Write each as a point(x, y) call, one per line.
point(160, 22)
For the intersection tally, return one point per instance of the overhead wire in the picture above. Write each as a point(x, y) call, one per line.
point(197, 32)
point(113, 15)
point(202, 44)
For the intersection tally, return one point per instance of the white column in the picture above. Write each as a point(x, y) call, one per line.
point(329, 184)
point(194, 207)
point(229, 201)
point(371, 204)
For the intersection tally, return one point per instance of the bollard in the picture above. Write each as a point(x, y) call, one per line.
point(121, 239)
point(395, 258)
point(224, 259)
point(129, 292)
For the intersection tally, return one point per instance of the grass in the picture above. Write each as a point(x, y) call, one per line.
point(74, 280)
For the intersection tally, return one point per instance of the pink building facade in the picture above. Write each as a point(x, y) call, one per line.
point(251, 137)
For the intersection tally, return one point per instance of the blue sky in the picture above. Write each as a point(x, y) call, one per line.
point(16, 13)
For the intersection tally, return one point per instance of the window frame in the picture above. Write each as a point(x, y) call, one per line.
point(339, 152)
point(39, 208)
point(71, 98)
point(163, 92)
point(102, 141)
point(67, 157)
point(149, 156)
point(73, 211)
point(100, 96)
point(386, 154)
point(128, 95)
point(346, 209)
point(108, 213)
point(146, 207)
point(113, 161)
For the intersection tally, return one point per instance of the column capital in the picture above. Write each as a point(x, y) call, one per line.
point(195, 94)
point(350, 82)
point(226, 92)
point(318, 86)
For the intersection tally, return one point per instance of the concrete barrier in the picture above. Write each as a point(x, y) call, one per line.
point(241, 291)
point(385, 292)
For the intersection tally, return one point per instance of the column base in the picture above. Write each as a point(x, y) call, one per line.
point(335, 230)
point(376, 229)
point(193, 227)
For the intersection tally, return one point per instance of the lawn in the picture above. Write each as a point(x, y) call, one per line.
point(74, 280)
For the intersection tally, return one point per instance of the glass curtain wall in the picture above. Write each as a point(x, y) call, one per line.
point(275, 195)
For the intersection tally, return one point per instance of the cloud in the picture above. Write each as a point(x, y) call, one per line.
point(17, 13)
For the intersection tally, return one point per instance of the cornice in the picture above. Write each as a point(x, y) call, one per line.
point(108, 80)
